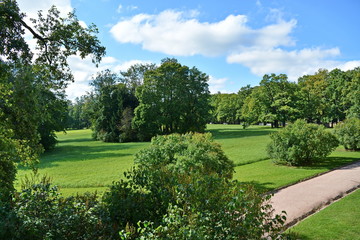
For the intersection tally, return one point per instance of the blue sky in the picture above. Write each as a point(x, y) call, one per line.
point(234, 42)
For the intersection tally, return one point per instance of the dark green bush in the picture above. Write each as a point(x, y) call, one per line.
point(181, 188)
point(213, 208)
point(39, 212)
point(301, 143)
point(348, 133)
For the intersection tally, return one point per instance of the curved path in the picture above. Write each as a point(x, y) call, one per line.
point(305, 198)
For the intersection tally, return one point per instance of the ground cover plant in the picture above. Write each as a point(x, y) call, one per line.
point(340, 220)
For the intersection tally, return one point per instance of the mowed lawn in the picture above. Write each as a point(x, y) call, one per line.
point(340, 220)
point(79, 164)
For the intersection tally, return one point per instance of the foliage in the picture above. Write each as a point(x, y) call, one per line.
point(312, 101)
point(39, 212)
point(214, 208)
point(133, 77)
point(181, 185)
point(301, 143)
point(348, 133)
point(169, 161)
point(112, 98)
point(173, 99)
point(78, 113)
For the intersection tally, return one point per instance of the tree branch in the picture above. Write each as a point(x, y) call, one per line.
point(37, 36)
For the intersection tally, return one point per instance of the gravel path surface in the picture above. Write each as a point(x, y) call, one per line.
point(305, 198)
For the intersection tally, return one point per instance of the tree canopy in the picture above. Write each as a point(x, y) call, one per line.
point(173, 99)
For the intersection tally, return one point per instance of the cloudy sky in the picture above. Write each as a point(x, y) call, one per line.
point(235, 42)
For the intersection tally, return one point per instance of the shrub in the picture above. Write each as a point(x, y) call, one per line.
point(348, 133)
point(214, 208)
point(39, 212)
point(181, 188)
point(301, 143)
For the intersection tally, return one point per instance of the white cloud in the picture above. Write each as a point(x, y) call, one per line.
point(217, 84)
point(126, 65)
point(83, 71)
point(293, 63)
point(349, 65)
point(32, 7)
point(180, 33)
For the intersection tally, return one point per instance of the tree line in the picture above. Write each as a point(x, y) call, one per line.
point(326, 97)
point(148, 100)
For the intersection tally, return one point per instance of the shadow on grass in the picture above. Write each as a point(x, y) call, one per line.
point(74, 153)
point(330, 163)
point(250, 162)
point(226, 133)
point(291, 235)
point(72, 140)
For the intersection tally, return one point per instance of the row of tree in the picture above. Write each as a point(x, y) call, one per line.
point(325, 97)
point(143, 102)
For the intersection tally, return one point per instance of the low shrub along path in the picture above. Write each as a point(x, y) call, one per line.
point(304, 198)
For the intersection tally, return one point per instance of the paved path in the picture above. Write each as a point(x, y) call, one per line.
point(304, 198)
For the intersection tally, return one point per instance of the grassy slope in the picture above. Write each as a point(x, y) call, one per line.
point(79, 164)
point(340, 220)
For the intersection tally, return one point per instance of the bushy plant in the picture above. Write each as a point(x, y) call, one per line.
point(181, 188)
point(348, 133)
point(39, 212)
point(301, 143)
point(214, 208)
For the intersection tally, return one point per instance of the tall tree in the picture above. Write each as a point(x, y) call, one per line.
point(353, 94)
point(133, 77)
point(35, 83)
point(173, 98)
point(278, 98)
point(112, 98)
point(312, 102)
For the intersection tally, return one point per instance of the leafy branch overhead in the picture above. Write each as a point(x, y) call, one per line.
point(57, 39)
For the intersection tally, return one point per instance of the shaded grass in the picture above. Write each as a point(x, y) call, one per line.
point(79, 164)
point(85, 164)
point(340, 220)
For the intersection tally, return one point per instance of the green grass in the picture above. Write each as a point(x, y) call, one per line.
point(79, 164)
point(340, 220)
point(242, 145)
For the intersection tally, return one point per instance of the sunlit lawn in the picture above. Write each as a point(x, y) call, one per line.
point(79, 164)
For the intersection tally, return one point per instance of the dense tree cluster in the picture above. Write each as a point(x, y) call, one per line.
point(143, 102)
point(325, 97)
point(32, 99)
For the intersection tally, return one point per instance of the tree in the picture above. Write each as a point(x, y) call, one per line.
point(277, 97)
point(352, 94)
point(252, 109)
point(133, 77)
point(312, 101)
point(112, 98)
point(172, 99)
point(34, 86)
point(336, 93)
